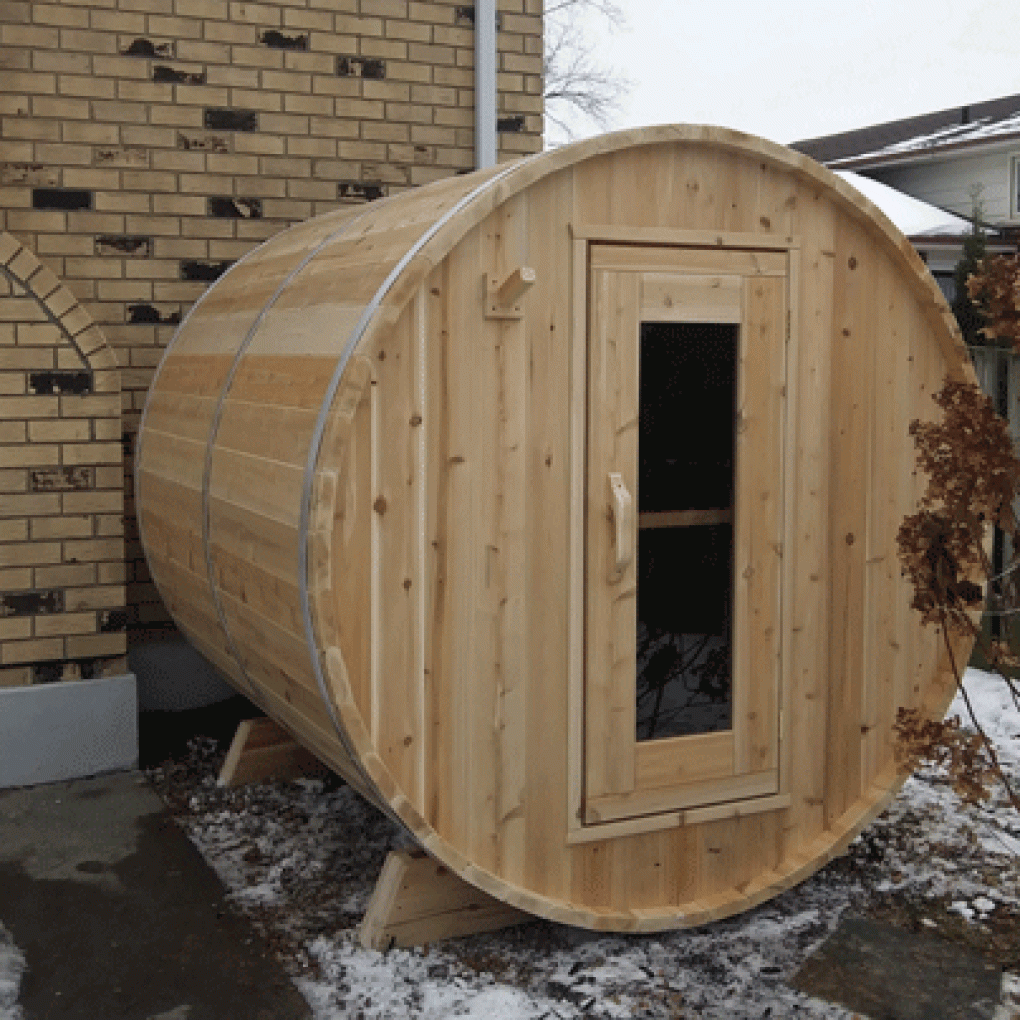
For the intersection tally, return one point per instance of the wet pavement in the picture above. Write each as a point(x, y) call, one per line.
point(888, 973)
point(120, 918)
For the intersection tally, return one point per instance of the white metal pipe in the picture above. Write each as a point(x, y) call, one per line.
point(485, 83)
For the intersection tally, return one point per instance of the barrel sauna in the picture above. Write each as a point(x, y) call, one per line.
point(554, 507)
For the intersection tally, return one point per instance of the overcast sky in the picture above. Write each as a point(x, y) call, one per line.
point(793, 69)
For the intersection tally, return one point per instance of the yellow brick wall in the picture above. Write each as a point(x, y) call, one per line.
point(62, 569)
point(147, 144)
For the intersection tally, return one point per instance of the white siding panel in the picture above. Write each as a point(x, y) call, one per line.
point(948, 183)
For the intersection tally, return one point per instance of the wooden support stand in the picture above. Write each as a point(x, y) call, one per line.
point(261, 749)
point(417, 900)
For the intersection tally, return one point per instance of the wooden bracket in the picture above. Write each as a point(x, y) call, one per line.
point(417, 900)
point(261, 749)
point(503, 299)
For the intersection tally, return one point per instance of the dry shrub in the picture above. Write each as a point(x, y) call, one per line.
point(973, 478)
point(972, 769)
point(973, 475)
point(995, 290)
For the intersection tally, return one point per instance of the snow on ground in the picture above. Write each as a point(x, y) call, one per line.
point(12, 964)
point(301, 859)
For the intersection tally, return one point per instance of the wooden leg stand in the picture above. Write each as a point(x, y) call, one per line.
point(261, 749)
point(416, 900)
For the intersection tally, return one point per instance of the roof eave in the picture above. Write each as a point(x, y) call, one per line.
point(876, 160)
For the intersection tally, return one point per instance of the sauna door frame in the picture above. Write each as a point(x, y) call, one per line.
point(671, 805)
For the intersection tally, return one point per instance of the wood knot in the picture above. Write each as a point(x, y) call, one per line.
point(849, 538)
point(415, 419)
point(407, 741)
point(852, 262)
point(379, 506)
point(407, 584)
point(382, 355)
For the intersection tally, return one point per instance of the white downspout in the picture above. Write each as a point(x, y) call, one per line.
point(485, 84)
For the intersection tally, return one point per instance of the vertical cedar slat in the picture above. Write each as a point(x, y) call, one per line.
point(805, 697)
point(759, 531)
point(853, 362)
point(547, 328)
point(507, 242)
point(612, 613)
point(481, 515)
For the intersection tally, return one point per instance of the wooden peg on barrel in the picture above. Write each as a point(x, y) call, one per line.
point(503, 298)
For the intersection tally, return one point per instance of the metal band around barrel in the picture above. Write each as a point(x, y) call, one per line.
point(320, 426)
point(136, 467)
point(215, 426)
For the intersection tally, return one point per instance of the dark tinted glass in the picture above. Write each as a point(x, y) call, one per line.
point(684, 601)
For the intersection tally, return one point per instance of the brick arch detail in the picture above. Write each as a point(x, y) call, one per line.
point(62, 570)
point(60, 307)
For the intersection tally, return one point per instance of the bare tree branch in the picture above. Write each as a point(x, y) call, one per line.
point(575, 82)
point(610, 10)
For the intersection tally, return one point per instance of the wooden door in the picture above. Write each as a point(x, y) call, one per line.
point(686, 372)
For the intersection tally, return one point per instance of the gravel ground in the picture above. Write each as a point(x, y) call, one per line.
point(301, 859)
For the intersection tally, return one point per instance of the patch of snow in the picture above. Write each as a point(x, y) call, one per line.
point(960, 907)
point(995, 711)
point(12, 966)
point(909, 215)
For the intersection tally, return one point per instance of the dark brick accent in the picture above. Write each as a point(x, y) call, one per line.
point(111, 620)
point(29, 173)
point(197, 269)
point(150, 313)
point(465, 14)
point(124, 244)
point(47, 672)
point(360, 67)
point(278, 41)
point(161, 72)
point(236, 208)
point(510, 125)
point(63, 479)
point(204, 143)
point(220, 119)
point(147, 48)
point(60, 382)
point(59, 670)
point(61, 198)
point(32, 603)
point(361, 190)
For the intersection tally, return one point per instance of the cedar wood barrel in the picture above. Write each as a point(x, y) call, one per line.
point(460, 528)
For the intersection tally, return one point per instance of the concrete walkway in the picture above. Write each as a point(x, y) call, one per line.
point(120, 918)
point(887, 973)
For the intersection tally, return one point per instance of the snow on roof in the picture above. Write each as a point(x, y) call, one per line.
point(912, 216)
point(982, 129)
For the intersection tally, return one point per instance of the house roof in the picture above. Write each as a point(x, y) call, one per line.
point(995, 120)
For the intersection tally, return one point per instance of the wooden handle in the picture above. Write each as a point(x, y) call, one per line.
point(623, 518)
